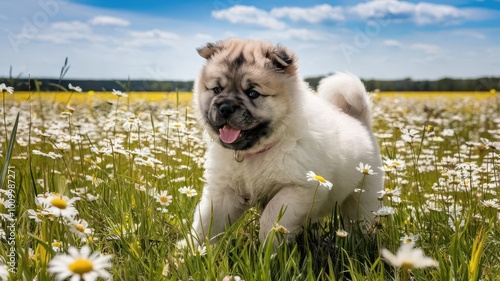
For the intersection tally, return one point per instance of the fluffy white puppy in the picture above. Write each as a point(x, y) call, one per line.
point(269, 130)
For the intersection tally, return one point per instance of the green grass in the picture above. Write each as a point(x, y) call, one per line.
point(444, 185)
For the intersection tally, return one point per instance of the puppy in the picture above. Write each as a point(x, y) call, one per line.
point(269, 130)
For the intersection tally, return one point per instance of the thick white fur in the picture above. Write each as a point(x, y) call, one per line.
point(319, 137)
point(347, 92)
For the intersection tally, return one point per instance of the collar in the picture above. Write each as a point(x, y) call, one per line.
point(239, 157)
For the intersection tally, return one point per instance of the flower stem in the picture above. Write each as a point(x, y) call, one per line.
point(312, 205)
point(405, 274)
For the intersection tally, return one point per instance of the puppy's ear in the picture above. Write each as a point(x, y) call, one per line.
point(283, 59)
point(209, 50)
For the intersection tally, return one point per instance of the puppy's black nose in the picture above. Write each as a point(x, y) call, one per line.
point(226, 109)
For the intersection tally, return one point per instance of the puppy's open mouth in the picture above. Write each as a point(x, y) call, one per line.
point(229, 134)
point(241, 139)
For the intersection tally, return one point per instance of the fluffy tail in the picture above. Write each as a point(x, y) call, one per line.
point(346, 91)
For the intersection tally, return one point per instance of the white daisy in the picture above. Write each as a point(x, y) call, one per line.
point(200, 250)
point(168, 112)
point(280, 229)
point(393, 164)
point(57, 246)
point(409, 239)
point(491, 203)
point(365, 169)
point(69, 111)
point(119, 93)
point(163, 198)
point(60, 206)
point(394, 194)
point(31, 254)
point(80, 265)
point(188, 190)
point(311, 176)
point(448, 133)
point(74, 88)
point(3, 87)
point(109, 124)
point(341, 233)
point(408, 258)
point(177, 126)
point(409, 135)
point(131, 124)
point(81, 228)
point(384, 211)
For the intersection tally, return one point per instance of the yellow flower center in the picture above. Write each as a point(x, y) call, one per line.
point(163, 199)
point(320, 178)
point(81, 266)
point(408, 240)
point(407, 265)
point(366, 171)
point(59, 203)
point(80, 227)
point(56, 244)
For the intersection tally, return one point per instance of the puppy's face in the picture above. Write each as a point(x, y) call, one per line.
point(243, 92)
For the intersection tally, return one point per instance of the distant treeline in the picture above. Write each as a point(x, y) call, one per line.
point(445, 84)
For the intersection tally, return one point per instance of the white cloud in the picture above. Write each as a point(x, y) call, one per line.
point(67, 32)
point(314, 14)
point(426, 48)
point(154, 33)
point(151, 38)
point(392, 43)
point(421, 47)
point(203, 36)
point(469, 33)
point(421, 13)
point(107, 20)
point(249, 15)
point(301, 34)
point(70, 26)
point(426, 13)
point(382, 8)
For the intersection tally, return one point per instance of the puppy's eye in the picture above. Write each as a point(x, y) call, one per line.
point(217, 89)
point(253, 94)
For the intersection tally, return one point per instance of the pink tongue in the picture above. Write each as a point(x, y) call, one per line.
point(229, 134)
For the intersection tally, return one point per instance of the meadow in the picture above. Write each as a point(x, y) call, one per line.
point(106, 184)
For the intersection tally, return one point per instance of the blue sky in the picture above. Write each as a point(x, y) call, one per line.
point(156, 39)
